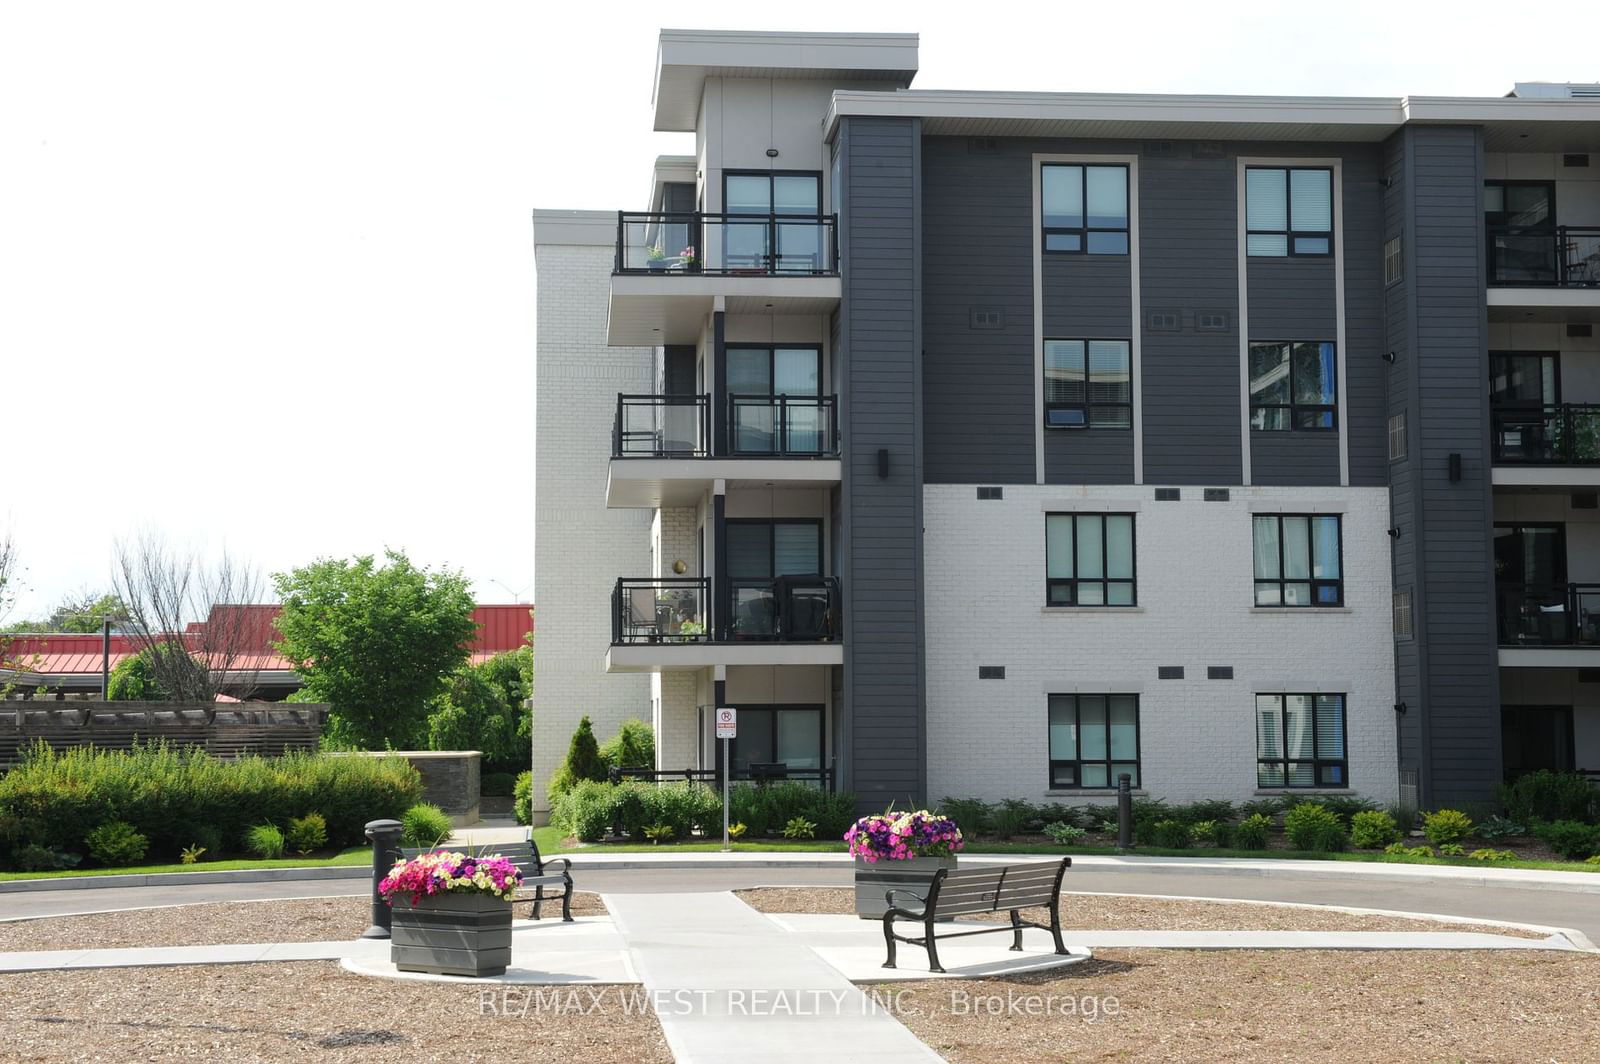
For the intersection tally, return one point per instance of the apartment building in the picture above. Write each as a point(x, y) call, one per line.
point(1002, 444)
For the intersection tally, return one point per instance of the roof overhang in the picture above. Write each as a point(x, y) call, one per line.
point(1510, 124)
point(685, 58)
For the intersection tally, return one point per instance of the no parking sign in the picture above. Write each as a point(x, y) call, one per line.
point(727, 723)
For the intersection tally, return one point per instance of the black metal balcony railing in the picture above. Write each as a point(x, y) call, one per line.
point(691, 242)
point(782, 425)
point(761, 426)
point(1548, 615)
point(661, 610)
point(1567, 256)
point(1567, 434)
point(661, 426)
point(790, 609)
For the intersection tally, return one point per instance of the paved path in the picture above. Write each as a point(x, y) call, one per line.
point(750, 990)
point(1469, 897)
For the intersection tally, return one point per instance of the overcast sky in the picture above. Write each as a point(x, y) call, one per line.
point(266, 272)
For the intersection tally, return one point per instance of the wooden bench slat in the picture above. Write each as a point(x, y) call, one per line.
point(964, 891)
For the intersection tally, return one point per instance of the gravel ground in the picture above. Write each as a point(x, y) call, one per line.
point(316, 1011)
point(1108, 913)
point(1267, 1006)
point(300, 920)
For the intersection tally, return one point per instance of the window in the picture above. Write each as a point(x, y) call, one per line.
point(1402, 615)
point(1093, 740)
point(1089, 560)
point(1392, 263)
point(1085, 209)
point(774, 400)
point(1524, 378)
point(1520, 219)
point(1288, 211)
point(1300, 741)
point(1087, 384)
point(784, 234)
point(1397, 437)
point(791, 736)
point(760, 551)
point(1292, 385)
point(1297, 560)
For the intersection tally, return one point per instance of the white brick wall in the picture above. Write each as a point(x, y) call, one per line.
point(580, 547)
point(985, 567)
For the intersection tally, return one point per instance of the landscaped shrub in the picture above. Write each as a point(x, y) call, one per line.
point(659, 833)
point(1010, 818)
point(1218, 833)
point(306, 833)
point(587, 810)
point(1546, 795)
point(800, 828)
point(1063, 834)
point(117, 842)
point(1499, 827)
point(1400, 849)
point(1172, 834)
point(498, 784)
point(181, 796)
point(425, 825)
point(192, 854)
point(522, 798)
point(1311, 826)
point(1446, 826)
point(36, 858)
point(1571, 839)
point(264, 841)
point(1213, 809)
point(1373, 829)
point(634, 746)
point(582, 762)
point(1267, 807)
point(1053, 813)
point(1492, 855)
point(1251, 832)
point(1595, 860)
point(1452, 849)
point(1341, 806)
point(970, 814)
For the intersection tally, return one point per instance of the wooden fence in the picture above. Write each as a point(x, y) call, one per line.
point(227, 730)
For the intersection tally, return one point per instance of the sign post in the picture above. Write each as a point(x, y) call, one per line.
point(727, 728)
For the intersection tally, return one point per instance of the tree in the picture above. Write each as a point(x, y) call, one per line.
point(134, 679)
point(512, 672)
point(473, 714)
point(634, 746)
point(165, 590)
point(10, 575)
point(85, 612)
point(376, 643)
point(583, 761)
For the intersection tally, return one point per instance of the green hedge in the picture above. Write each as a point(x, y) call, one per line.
point(179, 796)
point(591, 809)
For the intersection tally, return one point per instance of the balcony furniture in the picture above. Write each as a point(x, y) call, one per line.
point(967, 891)
point(644, 621)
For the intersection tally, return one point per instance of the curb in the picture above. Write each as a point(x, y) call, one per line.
point(1563, 882)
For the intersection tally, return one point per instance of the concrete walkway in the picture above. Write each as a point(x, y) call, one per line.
point(748, 989)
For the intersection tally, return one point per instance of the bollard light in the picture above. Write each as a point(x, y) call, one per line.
point(385, 836)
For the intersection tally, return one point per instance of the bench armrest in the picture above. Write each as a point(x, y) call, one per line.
point(565, 869)
point(922, 903)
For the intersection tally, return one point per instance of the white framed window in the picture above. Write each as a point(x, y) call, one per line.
point(1088, 384)
point(1288, 211)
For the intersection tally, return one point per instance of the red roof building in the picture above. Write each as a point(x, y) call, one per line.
point(71, 664)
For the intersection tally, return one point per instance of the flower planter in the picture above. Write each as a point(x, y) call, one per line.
point(876, 877)
point(455, 932)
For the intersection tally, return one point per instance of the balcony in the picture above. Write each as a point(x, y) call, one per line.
point(1553, 446)
point(792, 439)
point(664, 624)
point(1543, 274)
point(1547, 624)
point(671, 267)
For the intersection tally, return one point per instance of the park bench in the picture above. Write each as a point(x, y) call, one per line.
point(966, 891)
point(536, 871)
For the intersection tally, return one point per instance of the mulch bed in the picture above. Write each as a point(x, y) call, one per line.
point(1121, 913)
point(220, 923)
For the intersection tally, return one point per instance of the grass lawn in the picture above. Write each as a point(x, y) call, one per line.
point(356, 855)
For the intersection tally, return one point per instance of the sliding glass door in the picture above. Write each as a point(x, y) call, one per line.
point(774, 397)
point(760, 551)
point(788, 236)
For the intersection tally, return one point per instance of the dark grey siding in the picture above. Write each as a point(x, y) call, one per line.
point(1087, 297)
point(880, 396)
point(1364, 369)
point(1290, 458)
point(1293, 299)
point(1188, 248)
point(1438, 321)
point(977, 252)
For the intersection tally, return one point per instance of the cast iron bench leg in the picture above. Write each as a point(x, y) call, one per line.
point(538, 901)
point(1016, 931)
point(933, 952)
point(1055, 925)
point(566, 899)
point(888, 937)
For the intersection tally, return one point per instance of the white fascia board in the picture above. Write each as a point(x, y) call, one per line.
point(575, 227)
point(1381, 112)
point(1475, 110)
